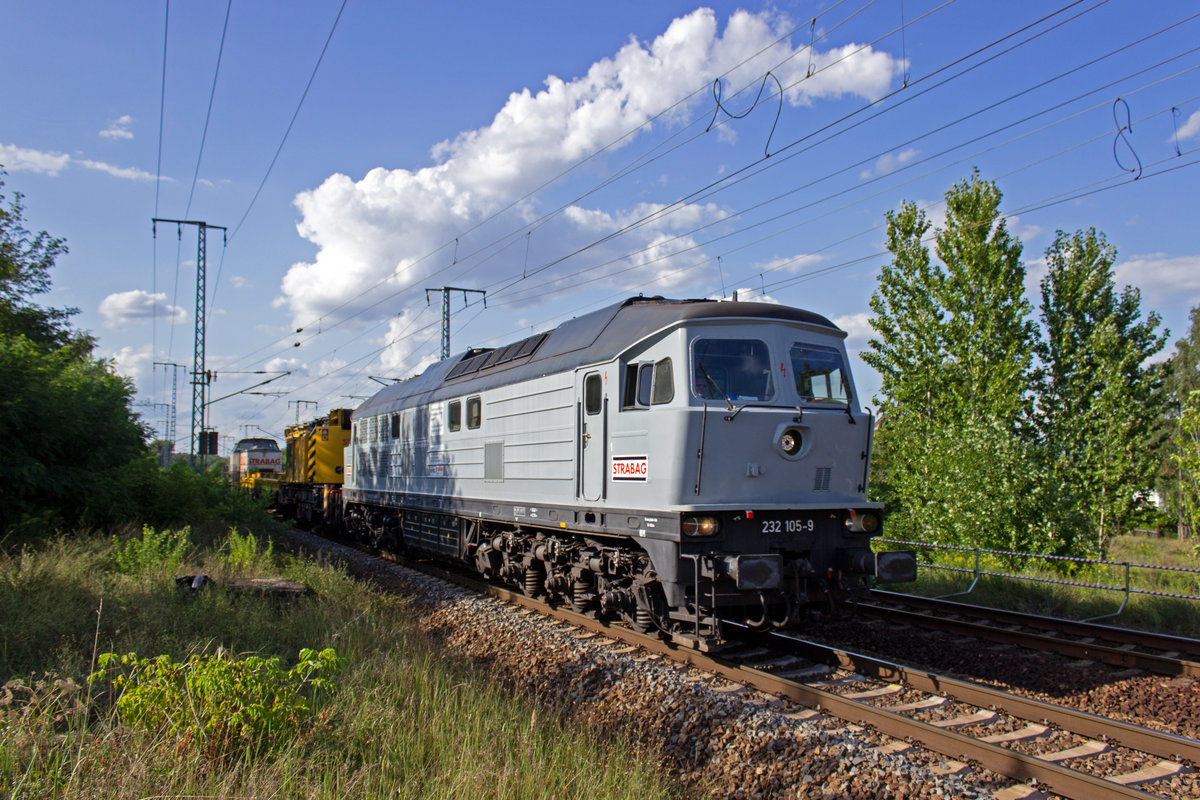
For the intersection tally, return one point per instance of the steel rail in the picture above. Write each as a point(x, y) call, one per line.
point(1019, 766)
point(1148, 639)
point(1113, 655)
point(1126, 734)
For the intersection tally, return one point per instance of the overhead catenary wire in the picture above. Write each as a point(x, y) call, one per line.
point(162, 105)
point(1003, 38)
point(208, 115)
point(560, 175)
point(773, 284)
point(287, 132)
point(939, 128)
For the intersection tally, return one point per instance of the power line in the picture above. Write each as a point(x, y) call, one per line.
point(208, 114)
point(843, 170)
point(292, 122)
point(563, 173)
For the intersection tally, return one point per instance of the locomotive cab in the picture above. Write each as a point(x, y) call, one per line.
point(749, 430)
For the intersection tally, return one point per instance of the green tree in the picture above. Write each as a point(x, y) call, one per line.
point(25, 263)
point(68, 431)
point(68, 428)
point(989, 335)
point(1181, 379)
point(954, 347)
point(1186, 458)
point(1099, 402)
point(908, 352)
point(1184, 377)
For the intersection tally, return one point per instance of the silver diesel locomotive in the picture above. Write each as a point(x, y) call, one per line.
point(674, 463)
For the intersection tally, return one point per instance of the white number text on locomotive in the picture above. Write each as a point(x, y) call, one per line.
point(788, 526)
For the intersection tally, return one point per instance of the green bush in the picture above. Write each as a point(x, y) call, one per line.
point(242, 552)
point(153, 554)
point(219, 704)
point(181, 494)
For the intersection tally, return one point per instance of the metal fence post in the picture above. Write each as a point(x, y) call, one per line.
point(970, 588)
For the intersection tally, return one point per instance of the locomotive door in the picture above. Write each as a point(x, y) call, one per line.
point(592, 435)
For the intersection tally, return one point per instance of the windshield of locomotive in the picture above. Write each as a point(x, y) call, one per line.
point(734, 370)
point(820, 372)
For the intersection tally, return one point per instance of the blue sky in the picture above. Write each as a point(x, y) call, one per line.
point(562, 155)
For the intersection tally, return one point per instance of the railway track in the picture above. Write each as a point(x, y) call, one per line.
point(1117, 647)
point(1043, 747)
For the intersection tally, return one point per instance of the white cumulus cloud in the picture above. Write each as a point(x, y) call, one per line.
point(127, 173)
point(121, 308)
point(857, 327)
point(1191, 128)
point(407, 337)
point(118, 128)
point(133, 362)
point(396, 227)
point(1163, 279)
point(889, 163)
point(22, 159)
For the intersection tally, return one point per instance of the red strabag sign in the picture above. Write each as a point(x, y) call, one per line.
point(630, 468)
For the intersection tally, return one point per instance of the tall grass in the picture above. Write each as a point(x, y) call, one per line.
point(1044, 589)
point(399, 720)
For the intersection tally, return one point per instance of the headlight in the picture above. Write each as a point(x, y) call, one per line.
point(791, 441)
point(865, 522)
point(701, 526)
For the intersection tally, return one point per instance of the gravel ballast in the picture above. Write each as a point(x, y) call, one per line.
point(713, 736)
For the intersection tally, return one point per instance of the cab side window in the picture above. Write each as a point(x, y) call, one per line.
point(454, 414)
point(664, 383)
point(648, 384)
point(474, 412)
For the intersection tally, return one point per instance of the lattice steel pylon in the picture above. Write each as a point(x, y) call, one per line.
point(200, 376)
point(446, 290)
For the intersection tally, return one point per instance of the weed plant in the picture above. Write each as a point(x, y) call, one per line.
point(392, 716)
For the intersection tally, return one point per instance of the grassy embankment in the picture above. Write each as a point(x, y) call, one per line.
point(397, 720)
point(1144, 612)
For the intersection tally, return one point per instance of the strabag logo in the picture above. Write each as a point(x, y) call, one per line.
point(630, 468)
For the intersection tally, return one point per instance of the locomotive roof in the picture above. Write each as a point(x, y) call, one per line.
point(590, 338)
point(255, 444)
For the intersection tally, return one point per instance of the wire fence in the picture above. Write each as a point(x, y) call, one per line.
point(1136, 579)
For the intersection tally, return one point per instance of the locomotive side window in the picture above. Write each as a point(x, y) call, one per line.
point(820, 373)
point(455, 415)
point(630, 398)
point(645, 379)
point(474, 412)
point(395, 426)
point(648, 384)
point(732, 370)
point(592, 400)
point(664, 382)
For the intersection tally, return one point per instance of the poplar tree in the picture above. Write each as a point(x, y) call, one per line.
point(1100, 403)
point(1186, 458)
point(953, 346)
point(1182, 378)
